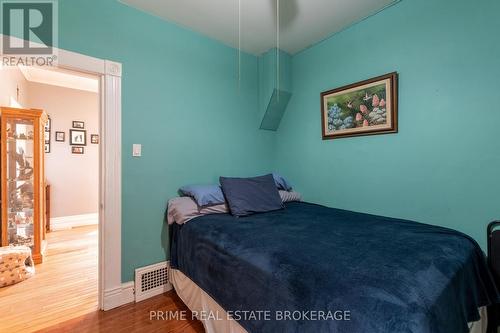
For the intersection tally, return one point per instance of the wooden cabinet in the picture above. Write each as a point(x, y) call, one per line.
point(22, 179)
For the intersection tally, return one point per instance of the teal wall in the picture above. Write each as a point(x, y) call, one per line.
point(443, 167)
point(181, 100)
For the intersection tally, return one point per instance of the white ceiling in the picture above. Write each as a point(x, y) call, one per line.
point(61, 78)
point(302, 22)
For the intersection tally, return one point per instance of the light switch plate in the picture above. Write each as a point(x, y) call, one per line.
point(136, 150)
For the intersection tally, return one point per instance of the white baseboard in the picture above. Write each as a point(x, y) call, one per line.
point(128, 292)
point(72, 221)
point(114, 298)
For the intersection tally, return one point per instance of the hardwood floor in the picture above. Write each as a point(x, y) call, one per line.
point(62, 296)
point(133, 318)
point(64, 286)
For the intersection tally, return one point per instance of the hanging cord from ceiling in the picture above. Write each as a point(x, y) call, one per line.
point(278, 48)
point(239, 44)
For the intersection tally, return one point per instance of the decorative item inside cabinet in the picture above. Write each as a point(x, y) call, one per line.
point(22, 179)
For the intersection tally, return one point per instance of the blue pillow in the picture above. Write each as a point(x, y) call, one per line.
point(204, 195)
point(246, 196)
point(281, 182)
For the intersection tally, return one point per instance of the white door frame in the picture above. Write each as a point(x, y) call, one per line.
point(111, 292)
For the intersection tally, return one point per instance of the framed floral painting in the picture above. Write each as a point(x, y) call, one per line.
point(363, 108)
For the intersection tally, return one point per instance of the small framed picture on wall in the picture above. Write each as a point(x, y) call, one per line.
point(60, 136)
point(77, 150)
point(46, 136)
point(94, 138)
point(48, 124)
point(78, 137)
point(78, 124)
point(47, 148)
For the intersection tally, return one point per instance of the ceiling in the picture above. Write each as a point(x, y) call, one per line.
point(302, 22)
point(61, 78)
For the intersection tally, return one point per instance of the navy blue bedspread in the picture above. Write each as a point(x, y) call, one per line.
point(390, 275)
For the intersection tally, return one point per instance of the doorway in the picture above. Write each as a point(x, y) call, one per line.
point(63, 151)
point(111, 292)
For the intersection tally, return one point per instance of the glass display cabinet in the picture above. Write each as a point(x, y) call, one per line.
point(22, 179)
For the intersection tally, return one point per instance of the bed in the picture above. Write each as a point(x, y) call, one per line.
point(330, 270)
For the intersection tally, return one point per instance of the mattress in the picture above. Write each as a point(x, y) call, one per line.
point(216, 320)
point(389, 275)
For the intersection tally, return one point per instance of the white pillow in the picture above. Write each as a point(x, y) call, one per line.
point(182, 209)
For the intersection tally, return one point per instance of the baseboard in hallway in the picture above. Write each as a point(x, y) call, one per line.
point(73, 221)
